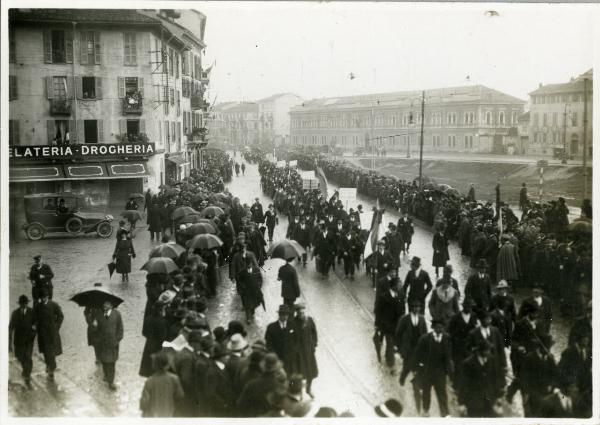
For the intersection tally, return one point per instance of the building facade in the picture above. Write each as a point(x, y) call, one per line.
point(461, 119)
point(559, 113)
point(274, 118)
point(122, 89)
point(235, 124)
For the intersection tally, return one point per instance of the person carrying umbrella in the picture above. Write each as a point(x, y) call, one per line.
point(108, 329)
point(122, 256)
point(290, 288)
point(249, 289)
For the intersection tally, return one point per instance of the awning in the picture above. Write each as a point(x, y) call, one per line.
point(85, 171)
point(178, 160)
point(127, 170)
point(36, 174)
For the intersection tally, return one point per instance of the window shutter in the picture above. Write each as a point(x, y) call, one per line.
point(83, 48)
point(80, 131)
point(47, 46)
point(16, 132)
point(97, 49)
point(100, 128)
point(141, 86)
point(49, 88)
point(121, 86)
point(179, 132)
point(184, 121)
point(98, 87)
point(73, 131)
point(79, 87)
point(122, 127)
point(70, 88)
point(12, 87)
point(142, 126)
point(69, 46)
point(50, 131)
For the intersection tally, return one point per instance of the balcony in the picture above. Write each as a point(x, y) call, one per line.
point(205, 77)
point(60, 107)
point(198, 103)
point(133, 104)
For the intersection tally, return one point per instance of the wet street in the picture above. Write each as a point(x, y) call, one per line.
point(350, 378)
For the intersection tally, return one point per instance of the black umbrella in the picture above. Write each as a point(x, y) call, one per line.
point(96, 298)
point(204, 241)
point(161, 265)
point(181, 212)
point(167, 250)
point(286, 249)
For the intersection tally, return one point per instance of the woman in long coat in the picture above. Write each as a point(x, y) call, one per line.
point(122, 256)
point(155, 330)
point(440, 250)
point(508, 262)
point(249, 287)
point(306, 344)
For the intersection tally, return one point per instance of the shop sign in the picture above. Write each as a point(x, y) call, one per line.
point(81, 150)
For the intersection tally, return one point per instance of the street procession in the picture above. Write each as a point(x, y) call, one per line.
point(287, 257)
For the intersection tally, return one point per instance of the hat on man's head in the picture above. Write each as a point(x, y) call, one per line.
point(415, 303)
point(482, 346)
point(481, 264)
point(237, 343)
point(299, 306)
point(23, 299)
point(271, 363)
point(235, 327)
point(468, 302)
point(37, 257)
point(259, 346)
point(392, 408)
point(437, 322)
point(219, 352)
point(283, 309)
point(503, 284)
point(416, 261)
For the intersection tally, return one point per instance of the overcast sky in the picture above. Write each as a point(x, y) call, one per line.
point(312, 48)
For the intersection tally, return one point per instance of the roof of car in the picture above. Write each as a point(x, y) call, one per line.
point(53, 195)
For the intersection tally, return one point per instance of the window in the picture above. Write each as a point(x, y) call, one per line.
point(129, 49)
point(172, 96)
point(88, 87)
point(59, 87)
point(133, 128)
point(170, 62)
point(545, 119)
point(515, 119)
point(555, 118)
point(13, 132)
point(12, 53)
point(488, 118)
point(58, 132)
point(574, 119)
point(58, 47)
point(176, 65)
point(536, 119)
point(90, 48)
point(12, 87)
point(131, 85)
point(90, 131)
point(501, 118)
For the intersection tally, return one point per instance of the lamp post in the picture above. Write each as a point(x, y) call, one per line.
point(421, 141)
point(564, 156)
point(410, 126)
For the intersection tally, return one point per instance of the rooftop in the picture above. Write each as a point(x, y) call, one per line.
point(80, 15)
point(275, 96)
point(576, 84)
point(235, 107)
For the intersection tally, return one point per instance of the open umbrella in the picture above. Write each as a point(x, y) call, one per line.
point(135, 195)
point(132, 215)
point(181, 212)
point(200, 228)
point(190, 218)
point(162, 186)
point(96, 298)
point(168, 250)
point(286, 249)
point(444, 187)
point(581, 226)
point(159, 265)
point(171, 191)
point(453, 192)
point(205, 241)
point(212, 211)
point(430, 186)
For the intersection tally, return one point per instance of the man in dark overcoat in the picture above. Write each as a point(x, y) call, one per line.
point(406, 229)
point(40, 276)
point(544, 307)
point(389, 307)
point(408, 331)
point(306, 343)
point(433, 363)
point(21, 333)
point(459, 327)
point(280, 338)
point(109, 333)
point(324, 250)
point(256, 209)
point(490, 334)
point(479, 287)
point(440, 250)
point(48, 318)
point(290, 288)
point(417, 283)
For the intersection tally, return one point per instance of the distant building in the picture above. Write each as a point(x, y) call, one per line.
point(274, 118)
point(557, 117)
point(523, 130)
point(458, 119)
point(234, 123)
point(102, 82)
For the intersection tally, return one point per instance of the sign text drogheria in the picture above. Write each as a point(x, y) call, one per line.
point(81, 150)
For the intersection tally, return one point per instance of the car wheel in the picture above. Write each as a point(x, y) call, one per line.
point(74, 225)
point(104, 229)
point(34, 232)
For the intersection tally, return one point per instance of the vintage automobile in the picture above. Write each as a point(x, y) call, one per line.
point(62, 212)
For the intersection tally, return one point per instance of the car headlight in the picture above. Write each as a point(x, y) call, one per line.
point(109, 217)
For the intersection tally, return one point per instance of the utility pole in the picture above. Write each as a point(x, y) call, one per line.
point(564, 159)
point(371, 138)
point(421, 141)
point(585, 120)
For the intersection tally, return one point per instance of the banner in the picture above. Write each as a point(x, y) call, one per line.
point(280, 164)
point(310, 184)
point(293, 164)
point(347, 194)
point(309, 175)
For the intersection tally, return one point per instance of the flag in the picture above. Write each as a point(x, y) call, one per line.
point(322, 181)
point(376, 233)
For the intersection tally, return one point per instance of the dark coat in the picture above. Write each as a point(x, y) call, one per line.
point(155, 330)
point(407, 335)
point(388, 310)
point(440, 249)
point(302, 236)
point(282, 342)
point(48, 318)
point(479, 290)
point(183, 365)
point(249, 288)
point(306, 343)
point(122, 254)
point(21, 332)
point(257, 213)
point(508, 266)
point(417, 287)
point(290, 289)
point(382, 262)
point(432, 359)
point(539, 374)
point(459, 333)
point(406, 229)
point(253, 400)
point(219, 392)
point(271, 219)
point(496, 342)
point(544, 313)
point(91, 314)
point(44, 270)
point(325, 247)
point(479, 386)
point(154, 218)
point(573, 367)
point(108, 335)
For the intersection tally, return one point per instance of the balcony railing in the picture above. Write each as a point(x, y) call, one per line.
point(60, 107)
point(133, 104)
point(198, 103)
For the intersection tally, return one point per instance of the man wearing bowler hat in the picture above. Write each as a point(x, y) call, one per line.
point(280, 338)
point(459, 327)
point(108, 328)
point(21, 333)
point(417, 283)
point(479, 287)
point(40, 276)
point(47, 318)
point(410, 328)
